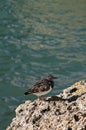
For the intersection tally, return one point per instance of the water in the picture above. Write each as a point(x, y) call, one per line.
point(38, 38)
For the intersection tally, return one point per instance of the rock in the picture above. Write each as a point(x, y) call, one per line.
point(66, 111)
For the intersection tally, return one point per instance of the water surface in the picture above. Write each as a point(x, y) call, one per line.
point(38, 38)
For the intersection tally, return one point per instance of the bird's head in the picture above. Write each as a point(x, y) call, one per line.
point(51, 77)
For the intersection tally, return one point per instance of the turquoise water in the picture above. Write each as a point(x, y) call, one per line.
point(38, 38)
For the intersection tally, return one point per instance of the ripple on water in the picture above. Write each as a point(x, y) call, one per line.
point(41, 38)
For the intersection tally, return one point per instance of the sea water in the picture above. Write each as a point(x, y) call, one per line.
point(38, 38)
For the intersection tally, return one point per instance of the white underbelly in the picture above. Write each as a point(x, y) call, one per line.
point(42, 93)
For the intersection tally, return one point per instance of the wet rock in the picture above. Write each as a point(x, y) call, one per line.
point(66, 111)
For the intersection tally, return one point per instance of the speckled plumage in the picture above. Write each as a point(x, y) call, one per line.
point(42, 87)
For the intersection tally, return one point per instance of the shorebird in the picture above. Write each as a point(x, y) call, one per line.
point(42, 87)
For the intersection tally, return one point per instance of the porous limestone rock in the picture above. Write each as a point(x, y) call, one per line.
point(66, 111)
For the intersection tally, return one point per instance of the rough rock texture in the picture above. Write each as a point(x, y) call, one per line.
point(66, 111)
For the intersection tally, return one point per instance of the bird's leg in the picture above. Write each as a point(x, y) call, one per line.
point(41, 98)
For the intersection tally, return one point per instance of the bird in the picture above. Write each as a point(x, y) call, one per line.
point(42, 87)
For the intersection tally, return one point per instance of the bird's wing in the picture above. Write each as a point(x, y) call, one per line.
point(40, 87)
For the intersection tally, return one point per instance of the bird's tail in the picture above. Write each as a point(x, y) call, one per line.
point(26, 93)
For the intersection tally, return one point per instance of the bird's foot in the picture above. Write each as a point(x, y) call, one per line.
point(41, 98)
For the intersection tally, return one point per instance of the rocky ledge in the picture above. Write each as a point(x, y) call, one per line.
point(66, 111)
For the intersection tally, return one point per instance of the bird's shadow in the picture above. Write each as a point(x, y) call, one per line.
point(70, 99)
